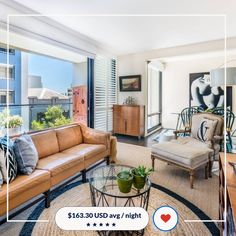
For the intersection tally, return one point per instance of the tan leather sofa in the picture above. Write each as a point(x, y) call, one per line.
point(63, 153)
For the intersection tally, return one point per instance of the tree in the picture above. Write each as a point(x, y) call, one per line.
point(53, 117)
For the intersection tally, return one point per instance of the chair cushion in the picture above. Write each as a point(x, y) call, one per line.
point(46, 143)
point(86, 150)
point(204, 129)
point(59, 162)
point(184, 155)
point(69, 137)
point(219, 127)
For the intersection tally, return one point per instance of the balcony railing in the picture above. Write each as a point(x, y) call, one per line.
point(36, 112)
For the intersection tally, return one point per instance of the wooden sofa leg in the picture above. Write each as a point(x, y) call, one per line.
point(191, 173)
point(107, 160)
point(153, 162)
point(47, 199)
point(83, 172)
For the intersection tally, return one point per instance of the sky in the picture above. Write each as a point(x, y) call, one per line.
point(56, 74)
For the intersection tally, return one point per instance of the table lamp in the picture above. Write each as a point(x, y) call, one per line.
point(218, 76)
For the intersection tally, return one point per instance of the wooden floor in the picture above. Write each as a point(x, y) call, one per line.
point(143, 141)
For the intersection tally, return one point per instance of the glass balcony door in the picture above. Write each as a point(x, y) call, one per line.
point(154, 97)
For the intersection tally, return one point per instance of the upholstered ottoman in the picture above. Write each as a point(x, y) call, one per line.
point(186, 157)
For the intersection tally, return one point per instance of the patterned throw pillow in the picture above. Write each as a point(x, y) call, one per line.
point(26, 154)
point(1, 179)
point(9, 160)
point(205, 130)
point(3, 169)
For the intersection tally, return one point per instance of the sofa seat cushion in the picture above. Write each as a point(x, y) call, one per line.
point(69, 137)
point(60, 162)
point(86, 150)
point(46, 143)
point(25, 183)
point(183, 155)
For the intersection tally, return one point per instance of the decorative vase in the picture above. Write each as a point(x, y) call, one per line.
point(124, 184)
point(138, 181)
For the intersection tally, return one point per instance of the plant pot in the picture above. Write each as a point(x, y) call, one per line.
point(124, 185)
point(13, 131)
point(139, 181)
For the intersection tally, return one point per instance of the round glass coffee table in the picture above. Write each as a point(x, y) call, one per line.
point(105, 193)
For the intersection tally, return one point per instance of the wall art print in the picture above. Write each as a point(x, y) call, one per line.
point(205, 96)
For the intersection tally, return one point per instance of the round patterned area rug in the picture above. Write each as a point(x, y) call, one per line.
point(77, 194)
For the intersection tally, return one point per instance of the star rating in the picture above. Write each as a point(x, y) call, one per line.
point(100, 224)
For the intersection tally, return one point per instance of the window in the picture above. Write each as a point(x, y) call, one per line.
point(3, 97)
point(105, 95)
point(154, 98)
point(3, 72)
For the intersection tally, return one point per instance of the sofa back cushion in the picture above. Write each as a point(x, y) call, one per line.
point(69, 137)
point(46, 143)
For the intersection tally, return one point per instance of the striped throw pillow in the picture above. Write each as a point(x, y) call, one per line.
point(8, 159)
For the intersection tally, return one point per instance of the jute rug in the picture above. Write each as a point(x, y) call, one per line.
point(171, 187)
point(77, 194)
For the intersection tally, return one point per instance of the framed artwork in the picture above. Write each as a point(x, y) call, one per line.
point(203, 95)
point(131, 83)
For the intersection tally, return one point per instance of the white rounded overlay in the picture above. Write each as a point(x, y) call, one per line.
point(165, 218)
point(102, 218)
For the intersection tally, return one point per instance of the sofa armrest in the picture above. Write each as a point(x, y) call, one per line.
point(113, 149)
point(92, 136)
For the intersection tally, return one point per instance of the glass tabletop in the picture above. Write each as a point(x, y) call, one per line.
point(104, 180)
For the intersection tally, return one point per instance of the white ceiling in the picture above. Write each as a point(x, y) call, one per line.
point(130, 34)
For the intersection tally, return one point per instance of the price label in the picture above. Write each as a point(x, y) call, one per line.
point(102, 218)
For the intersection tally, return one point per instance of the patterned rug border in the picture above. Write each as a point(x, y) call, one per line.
point(28, 227)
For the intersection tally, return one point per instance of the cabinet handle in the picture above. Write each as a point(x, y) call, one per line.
point(125, 126)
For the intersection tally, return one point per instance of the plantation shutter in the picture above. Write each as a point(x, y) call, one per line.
point(105, 95)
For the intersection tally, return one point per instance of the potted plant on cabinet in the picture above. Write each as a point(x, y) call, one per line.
point(124, 181)
point(140, 175)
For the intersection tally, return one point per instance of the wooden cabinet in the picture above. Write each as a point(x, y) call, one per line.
point(228, 227)
point(128, 120)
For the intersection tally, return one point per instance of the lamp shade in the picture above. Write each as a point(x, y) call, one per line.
point(218, 77)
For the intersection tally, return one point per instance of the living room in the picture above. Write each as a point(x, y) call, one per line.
point(112, 91)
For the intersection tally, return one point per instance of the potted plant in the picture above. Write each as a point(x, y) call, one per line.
point(140, 175)
point(124, 180)
point(12, 122)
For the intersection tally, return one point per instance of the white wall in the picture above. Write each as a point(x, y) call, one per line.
point(176, 77)
point(133, 65)
point(176, 85)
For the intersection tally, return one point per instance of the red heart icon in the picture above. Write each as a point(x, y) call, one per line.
point(166, 217)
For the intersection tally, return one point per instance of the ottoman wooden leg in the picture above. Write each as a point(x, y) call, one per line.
point(191, 173)
point(210, 168)
point(206, 170)
point(153, 162)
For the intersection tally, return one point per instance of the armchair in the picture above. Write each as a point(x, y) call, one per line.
point(194, 151)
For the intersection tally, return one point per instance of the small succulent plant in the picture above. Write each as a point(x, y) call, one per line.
point(125, 175)
point(142, 171)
